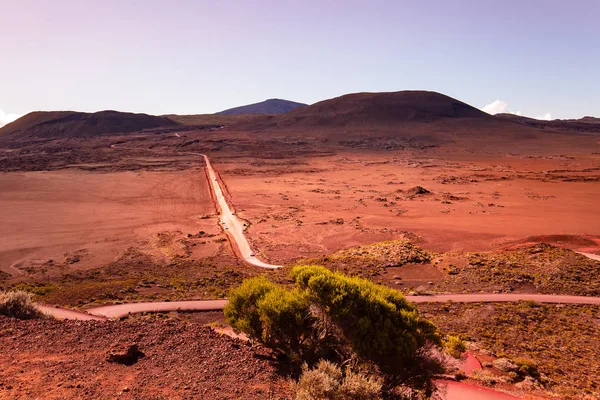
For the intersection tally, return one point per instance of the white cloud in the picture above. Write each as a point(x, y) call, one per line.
point(496, 107)
point(546, 116)
point(500, 106)
point(7, 118)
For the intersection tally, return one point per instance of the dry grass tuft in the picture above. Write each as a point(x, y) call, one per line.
point(18, 304)
point(327, 382)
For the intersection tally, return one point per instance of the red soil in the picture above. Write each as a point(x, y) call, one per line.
point(90, 219)
point(67, 359)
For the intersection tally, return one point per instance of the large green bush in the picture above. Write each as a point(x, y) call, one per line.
point(380, 325)
point(333, 316)
point(280, 319)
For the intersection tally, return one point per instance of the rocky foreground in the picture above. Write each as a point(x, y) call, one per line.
point(174, 359)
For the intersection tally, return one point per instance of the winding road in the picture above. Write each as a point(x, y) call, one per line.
point(123, 310)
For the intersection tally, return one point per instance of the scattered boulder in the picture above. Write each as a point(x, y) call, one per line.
point(504, 364)
point(417, 191)
point(124, 354)
point(528, 384)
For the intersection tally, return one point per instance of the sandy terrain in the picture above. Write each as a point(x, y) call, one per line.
point(72, 219)
point(304, 207)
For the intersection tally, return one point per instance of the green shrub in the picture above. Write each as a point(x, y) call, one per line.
point(242, 311)
point(455, 346)
point(285, 321)
point(282, 320)
point(378, 322)
point(18, 304)
point(332, 316)
point(327, 382)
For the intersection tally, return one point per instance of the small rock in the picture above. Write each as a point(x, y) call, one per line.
point(504, 364)
point(124, 354)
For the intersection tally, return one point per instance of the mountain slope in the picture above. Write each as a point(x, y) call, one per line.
point(362, 109)
point(271, 106)
point(66, 124)
point(394, 120)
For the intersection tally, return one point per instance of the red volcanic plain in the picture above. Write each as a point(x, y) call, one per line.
point(123, 213)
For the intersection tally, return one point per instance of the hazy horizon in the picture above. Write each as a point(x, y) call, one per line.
point(534, 58)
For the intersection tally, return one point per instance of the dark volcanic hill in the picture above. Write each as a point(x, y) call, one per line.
point(271, 106)
point(392, 120)
point(362, 109)
point(69, 124)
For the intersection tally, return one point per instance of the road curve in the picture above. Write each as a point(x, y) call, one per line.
point(63, 313)
point(590, 255)
point(233, 227)
point(452, 390)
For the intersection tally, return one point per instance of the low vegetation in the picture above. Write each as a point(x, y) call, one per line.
point(342, 319)
point(540, 268)
point(136, 277)
point(554, 346)
point(327, 381)
point(455, 346)
point(372, 259)
point(18, 304)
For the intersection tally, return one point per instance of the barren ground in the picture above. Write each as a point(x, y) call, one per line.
point(86, 219)
point(304, 207)
point(128, 218)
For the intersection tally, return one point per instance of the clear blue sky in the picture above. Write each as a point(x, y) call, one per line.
point(204, 56)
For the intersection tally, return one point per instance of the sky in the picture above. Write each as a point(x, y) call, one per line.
point(538, 58)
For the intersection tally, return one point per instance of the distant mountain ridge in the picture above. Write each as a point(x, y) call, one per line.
point(270, 106)
point(67, 124)
point(585, 124)
point(363, 109)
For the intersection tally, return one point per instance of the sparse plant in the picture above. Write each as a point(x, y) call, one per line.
point(527, 367)
point(18, 304)
point(455, 346)
point(328, 382)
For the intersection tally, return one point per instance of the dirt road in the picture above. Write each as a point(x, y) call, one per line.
point(63, 313)
point(590, 255)
point(122, 310)
point(504, 297)
point(459, 391)
point(231, 224)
